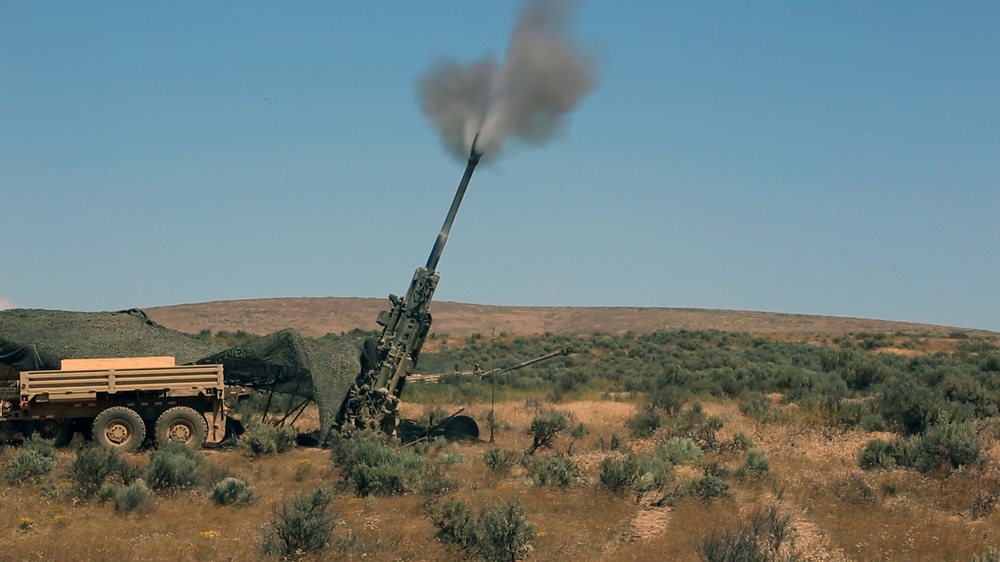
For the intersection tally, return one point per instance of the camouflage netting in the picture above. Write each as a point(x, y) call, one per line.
point(57, 335)
point(286, 362)
point(283, 361)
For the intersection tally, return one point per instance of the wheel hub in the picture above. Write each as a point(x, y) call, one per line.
point(117, 433)
point(180, 432)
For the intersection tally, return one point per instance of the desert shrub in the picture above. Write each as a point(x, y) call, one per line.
point(984, 503)
point(947, 444)
point(882, 455)
point(500, 533)
point(300, 526)
point(742, 442)
point(850, 414)
point(265, 439)
point(372, 466)
point(853, 489)
point(679, 450)
point(992, 555)
point(93, 465)
point(436, 480)
point(132, 496)
point(708, 487)
point(669, 399)
point(175, 465)
point(500, 461)
point(504, 533)
point(577, 432)
point(951, 444)
point(617, 442)
point(766, 537)
point(758, 408)
point(555, 471)
point(912, 408)
point(544, 429)
point(619, 474)
point(639, 474)
point(454, 523)
point(232, 491)
point(35, 459)
point(755, 465)
point(644, 423)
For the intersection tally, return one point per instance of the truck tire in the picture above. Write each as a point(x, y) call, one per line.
point(119, 428)
point(182, 424)
point(60, 432)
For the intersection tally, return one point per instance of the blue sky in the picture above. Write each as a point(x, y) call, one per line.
point(835, 158)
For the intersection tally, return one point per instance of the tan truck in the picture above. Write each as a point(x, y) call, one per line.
point(115, 400)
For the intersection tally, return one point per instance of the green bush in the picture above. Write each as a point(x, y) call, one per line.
point(708, 487)
point(992, 555)
point(500, 533)
point(93, 465)
point(301, 526)
point(175, 465)
point(644, 423)
point(500, 461)
point(758, 408)
point(679, 450)
point(755, 465)
point(883, 455)
point(555, 471)
point(454, 523)
point(504, 533)
point(133, 496)
point(619, 474)
point(232, 491)
point(639, 474)
point(742, 442)
point(265, 439)
point(948, 444)
point(35, 459)
point(373, 467)
point(544, 429)
point(912, 408)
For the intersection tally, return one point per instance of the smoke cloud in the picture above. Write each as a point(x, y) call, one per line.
point(6, 304)
point(527, 96)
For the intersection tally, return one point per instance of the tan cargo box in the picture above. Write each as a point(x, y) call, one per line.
point(106, 363)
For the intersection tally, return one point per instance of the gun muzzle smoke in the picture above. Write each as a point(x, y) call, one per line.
point(442, 237)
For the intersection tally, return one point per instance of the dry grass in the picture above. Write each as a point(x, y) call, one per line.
point(838, 512)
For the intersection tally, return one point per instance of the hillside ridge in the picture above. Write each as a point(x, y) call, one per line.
point(317, 316)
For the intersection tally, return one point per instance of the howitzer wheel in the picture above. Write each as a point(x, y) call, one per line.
point(181, 424)
point(119, 428)
point(460, 427)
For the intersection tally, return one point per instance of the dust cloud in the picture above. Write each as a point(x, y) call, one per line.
point(527, 96)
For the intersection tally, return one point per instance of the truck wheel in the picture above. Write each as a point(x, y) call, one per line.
point(119, 428)
point(182, 424)
point(60, 432)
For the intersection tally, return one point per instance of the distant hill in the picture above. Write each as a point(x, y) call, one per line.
point(322, 315)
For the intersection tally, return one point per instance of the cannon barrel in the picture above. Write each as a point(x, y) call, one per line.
point(442, 237)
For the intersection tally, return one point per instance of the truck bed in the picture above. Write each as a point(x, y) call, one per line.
point(185, 380)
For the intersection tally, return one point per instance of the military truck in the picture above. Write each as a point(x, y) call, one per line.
point(114, 400)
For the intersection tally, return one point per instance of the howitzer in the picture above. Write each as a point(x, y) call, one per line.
point(373, 400)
